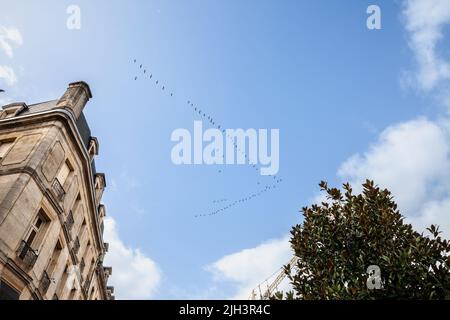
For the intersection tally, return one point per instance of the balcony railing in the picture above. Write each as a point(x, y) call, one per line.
point(58, 190)
point(87, 285)
point(76, 246)
point(82, 265)
point(27, 254)
point(45, 282)
point(69, 221)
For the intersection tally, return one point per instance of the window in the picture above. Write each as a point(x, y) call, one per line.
point(82, 266)
point(5, 146)
point(82, 228)
point(91, 294)
point(97, 185)
point(62, 282)
point(58, 185)
point(39, 222)
point(91, 267)
point(55, 257)
point(13, 109)
point(72, 294)
point(63, 173)
point(74, 212)
point(77, 203)
point(7, 292)
point(93, 148)
point(36, 233)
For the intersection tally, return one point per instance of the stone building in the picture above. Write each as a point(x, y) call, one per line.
point(51, 216)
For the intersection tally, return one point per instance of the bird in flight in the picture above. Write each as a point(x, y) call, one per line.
point(1, 90)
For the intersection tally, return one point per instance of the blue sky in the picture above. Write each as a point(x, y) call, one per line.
point(309, 68)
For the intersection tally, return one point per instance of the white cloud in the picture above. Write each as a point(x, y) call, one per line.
point(135, 276)
point(8, 74)
point(8, 37)
point(425, 20)
point(410, 159)
point(248, 268)
point(434, 212)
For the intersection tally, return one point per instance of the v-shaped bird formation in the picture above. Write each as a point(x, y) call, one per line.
point(203, 114)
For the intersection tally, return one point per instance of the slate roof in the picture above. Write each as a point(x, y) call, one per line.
point(82, 125)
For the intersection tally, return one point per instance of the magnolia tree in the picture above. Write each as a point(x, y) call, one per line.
point(359, 247)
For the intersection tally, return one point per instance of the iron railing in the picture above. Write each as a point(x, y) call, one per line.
point(69, 221)
point(44, 283)
point(82, 265)
point(58, 190)
point(76, 246)
point(27, 254)
point(87, 285)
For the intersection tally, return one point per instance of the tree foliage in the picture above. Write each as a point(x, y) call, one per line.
point(340, 238)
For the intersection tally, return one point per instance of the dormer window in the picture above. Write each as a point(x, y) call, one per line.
point(101, 211)
point(6, 114)
point(13, 109)
point(93, 148)
point(99, 185)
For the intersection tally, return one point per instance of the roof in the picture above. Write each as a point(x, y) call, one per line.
point(81, 123)
point(40, 107)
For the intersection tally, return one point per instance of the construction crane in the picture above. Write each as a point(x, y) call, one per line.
point(258, 294)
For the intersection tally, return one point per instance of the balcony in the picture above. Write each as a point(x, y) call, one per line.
point(44, 283)
point(87, 285)
point(27, 254)
point(58, 190)
point(69, 221)
point(76, 246)
point(82, 265)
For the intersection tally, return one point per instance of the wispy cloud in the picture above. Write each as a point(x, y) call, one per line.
point(135, 276)
point(9, 36)
point(8, 75)
point(425, 21)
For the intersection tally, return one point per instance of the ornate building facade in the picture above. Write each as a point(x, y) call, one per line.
point(51, 216)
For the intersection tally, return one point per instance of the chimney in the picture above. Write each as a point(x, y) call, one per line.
point(75, 97)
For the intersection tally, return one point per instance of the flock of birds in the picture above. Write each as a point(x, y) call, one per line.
point(213, 122)
point(241, 200)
